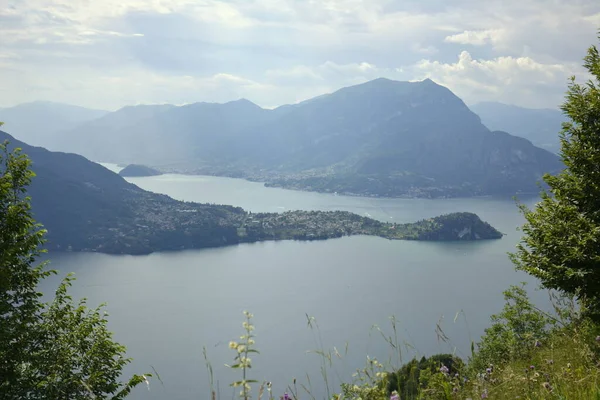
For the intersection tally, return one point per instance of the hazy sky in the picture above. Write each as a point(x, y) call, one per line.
point(109, 53)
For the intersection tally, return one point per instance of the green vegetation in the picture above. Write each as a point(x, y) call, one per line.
point(399, 184)
point(411, 377)
point(172, 225)
point(561, 246)
point(314, 225)
point(134, 170)
point(525, 354)
point(55, 350)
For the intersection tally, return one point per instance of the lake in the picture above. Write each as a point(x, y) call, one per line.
point(166, 306)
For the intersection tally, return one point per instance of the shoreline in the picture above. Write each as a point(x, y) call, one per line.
point(266, 184)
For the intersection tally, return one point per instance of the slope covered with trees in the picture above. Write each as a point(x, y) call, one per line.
point(55, 350)
point(86, 207)
point(135, 170)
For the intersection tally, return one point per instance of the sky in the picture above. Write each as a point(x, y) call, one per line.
point(110, 53)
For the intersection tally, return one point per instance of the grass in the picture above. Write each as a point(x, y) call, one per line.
point(524, 354)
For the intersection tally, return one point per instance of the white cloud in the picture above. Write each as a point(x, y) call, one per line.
point(330, 74)
point(475, 38)
point(276, 51)
point(517, 80)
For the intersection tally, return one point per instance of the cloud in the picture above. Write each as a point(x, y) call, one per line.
point(518, 80)
point(328, 76)
point(279, 51)
point(475, 38)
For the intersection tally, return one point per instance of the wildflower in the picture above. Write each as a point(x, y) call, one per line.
point(547, 386)
point(597, 338)
point(455, 389)
point(241, 348)
point(488, 371)
point(245, 362)
point(538, 343)
point(233, 345)
point(532, 367)
point(456, 375)
point(550, 362)
point(395, 396)
point(444, 370)
point(286, 396)
point(484, 394)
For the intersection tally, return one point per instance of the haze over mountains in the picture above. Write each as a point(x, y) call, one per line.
point(38, 123)
point(86, 207)
point(383, 137)
point(540, 126)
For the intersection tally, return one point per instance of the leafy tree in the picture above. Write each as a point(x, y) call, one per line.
point(414, 376)
point(20, 239)
point(57, 350)
point(561, 243)
point(513, 334)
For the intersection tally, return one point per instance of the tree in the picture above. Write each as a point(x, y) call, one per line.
point(414, 376)
point(561, 243)
point(55, 350)
point(513, 334)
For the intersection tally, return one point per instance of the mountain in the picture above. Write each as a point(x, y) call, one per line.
point(163, 134)
point(37, 122)
point(383, 138)
point(400, 138)
point(86, 207)
point(540, 126)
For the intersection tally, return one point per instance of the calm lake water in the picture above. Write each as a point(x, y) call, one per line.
point(166, 306)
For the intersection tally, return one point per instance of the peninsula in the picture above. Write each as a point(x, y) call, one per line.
point(86, 207)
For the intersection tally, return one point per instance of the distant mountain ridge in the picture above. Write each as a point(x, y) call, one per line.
point(380, 138)
point(37, 122)
point(540, 126)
